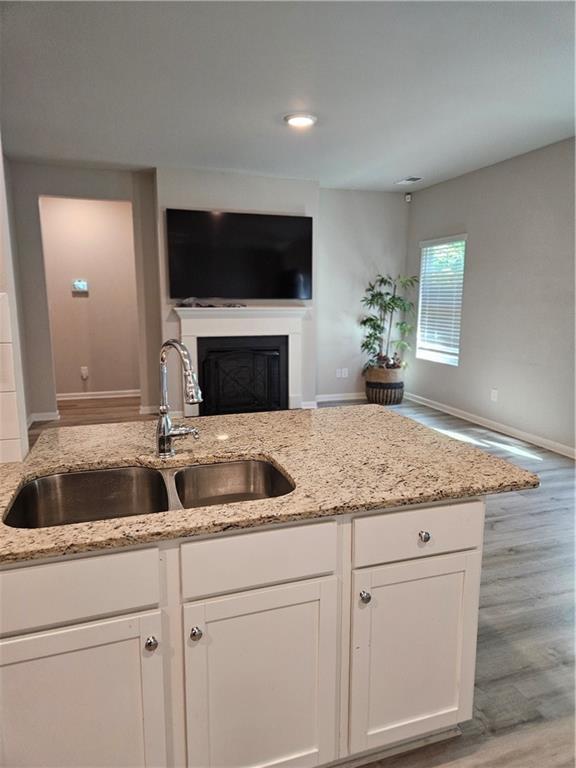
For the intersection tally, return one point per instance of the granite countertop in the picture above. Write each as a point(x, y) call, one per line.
point(341, 460)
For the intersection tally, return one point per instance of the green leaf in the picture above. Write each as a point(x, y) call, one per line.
point(385, 296)
point(407, 282)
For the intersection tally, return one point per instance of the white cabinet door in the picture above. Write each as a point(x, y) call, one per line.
point(89, 695)
point(413, 648)
point(261, 679)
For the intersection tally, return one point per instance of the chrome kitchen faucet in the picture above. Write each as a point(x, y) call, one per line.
point(165, 432)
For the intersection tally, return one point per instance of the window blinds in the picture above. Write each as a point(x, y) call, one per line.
point(440, 302)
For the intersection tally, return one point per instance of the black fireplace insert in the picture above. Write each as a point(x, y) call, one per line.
point(243, 374)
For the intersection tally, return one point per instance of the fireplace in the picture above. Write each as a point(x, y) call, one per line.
point(240, 322)
point(243, 374)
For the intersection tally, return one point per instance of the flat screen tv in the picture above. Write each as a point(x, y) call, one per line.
point(239, 255)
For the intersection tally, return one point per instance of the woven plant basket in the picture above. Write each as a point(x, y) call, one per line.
point(384, 386)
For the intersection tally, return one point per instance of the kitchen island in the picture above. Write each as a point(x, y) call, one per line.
point(341, 460)
point(326, 624)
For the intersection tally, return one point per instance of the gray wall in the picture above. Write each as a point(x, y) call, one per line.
point(28, 181)
point(361, 234)
point(518, 305)
point(518, 329)
point(356, 235)
point(147, 293)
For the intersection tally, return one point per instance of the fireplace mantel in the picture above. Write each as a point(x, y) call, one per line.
point(227, 313)
point(197, 322)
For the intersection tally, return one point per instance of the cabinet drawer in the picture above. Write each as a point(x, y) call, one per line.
point(396, 536)
point(78, 590)
point(242, 561)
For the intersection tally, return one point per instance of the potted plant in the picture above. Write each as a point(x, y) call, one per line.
point(384, 369)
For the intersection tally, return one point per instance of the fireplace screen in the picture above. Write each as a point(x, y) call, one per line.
point(242, 374)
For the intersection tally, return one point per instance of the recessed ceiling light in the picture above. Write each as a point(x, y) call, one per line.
point(409, 180)
point(300, 120)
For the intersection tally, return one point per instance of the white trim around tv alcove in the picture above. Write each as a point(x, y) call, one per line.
point(203, 322)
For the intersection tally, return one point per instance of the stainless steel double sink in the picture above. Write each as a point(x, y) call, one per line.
point(104, 494)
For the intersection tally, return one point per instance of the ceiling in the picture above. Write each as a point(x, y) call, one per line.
point(400, 88)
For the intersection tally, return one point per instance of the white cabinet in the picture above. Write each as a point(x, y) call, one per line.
point(85, 695)
point(261, 678)
point(280, 670)
point(413, 648)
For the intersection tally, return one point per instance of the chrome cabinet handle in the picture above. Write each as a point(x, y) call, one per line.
point(151, 643)
point(424, 536)
point(196, 633)
point(365, 596)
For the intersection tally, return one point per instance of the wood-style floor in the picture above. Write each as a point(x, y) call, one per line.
point(524, 701)
point(108, 410)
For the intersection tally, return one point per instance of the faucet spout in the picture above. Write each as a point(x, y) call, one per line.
point(192, 392)
point(165, 432)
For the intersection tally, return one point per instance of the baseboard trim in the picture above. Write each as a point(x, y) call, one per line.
point(309, 404)
point(47, 416)
point(397, 749)
point(146, 410)
point(340, 396)
point(505, 429)
point(98, 395)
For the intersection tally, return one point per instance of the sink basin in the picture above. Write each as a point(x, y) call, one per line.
point(104, 494)
point(205, 484)
point(78, 497)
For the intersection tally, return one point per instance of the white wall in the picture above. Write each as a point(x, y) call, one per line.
point(518, 310)
point(180, 188)
point(13, 432)
point(28, 182)
point(361, 234)
point(92, 240)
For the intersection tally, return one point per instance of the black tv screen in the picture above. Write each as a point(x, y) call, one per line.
point(239, 255)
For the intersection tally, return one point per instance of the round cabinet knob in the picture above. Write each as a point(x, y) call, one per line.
point(196, 633)
point(151, 643)
point(425, 536)
point(365, 596)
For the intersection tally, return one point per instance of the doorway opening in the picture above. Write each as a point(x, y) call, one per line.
point(90, 269)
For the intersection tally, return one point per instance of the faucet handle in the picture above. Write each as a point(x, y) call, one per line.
point(184, 432)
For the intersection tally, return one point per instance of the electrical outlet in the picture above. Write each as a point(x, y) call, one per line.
point(494, 395)
point(84, 372)
point(344, 373)
point(338, 373)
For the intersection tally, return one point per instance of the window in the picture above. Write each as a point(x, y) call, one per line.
point(440, 302)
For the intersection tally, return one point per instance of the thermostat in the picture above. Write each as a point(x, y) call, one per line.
point(79, 286)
